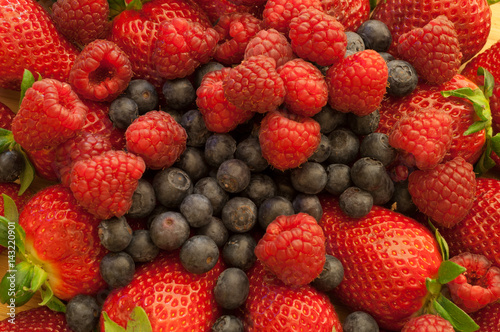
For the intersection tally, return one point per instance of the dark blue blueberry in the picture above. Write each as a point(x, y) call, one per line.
point(401, 200)
point(144, 94)
point(204, 69)
point(323, 151)
point(331, 276)
point(82, 313)
point(360, 321)
point(197, 132)
point(308, 203)
point(142, 248)
point(354, 42)
point(179, 94)
point(171, 185)
point(376, 35)
point(376, 146)
point(199, 254)
point(159, 209)
point(115, 233)
point(233, 175)
point(117, 269)
point(216, 230)
point(339, 178)
point(368, 173)
point(192, 161)
point(249, 151)
point(386, 56)
point(344, 146)
point(355, 202)
point(309, 178)
point(228, 323)
point(383, 194)
point(122, 112)
point(231, 289)
point(239, 251)
point(260, 188)
point(239, 214)
point(11, 165)
point(329, 119)
point(272, 208)
point(209, 187)
point(363, 125)
point(143, 200)
point(169, 230)
point(197, 210)
point(403, 78)
point(284, 184)
point(219, 148)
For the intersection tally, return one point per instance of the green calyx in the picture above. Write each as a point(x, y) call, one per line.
point(139, 322)
point(118, 6)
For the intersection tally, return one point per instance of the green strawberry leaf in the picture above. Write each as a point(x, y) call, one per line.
point(443, 245)
point(489, 82)
point(373, 4)
point(492, 2)
point(139, 321)
point(477, 97)
point(118, 6)
point(477, 126)
point(6, 140)
point(10, 209)
point(50, 300)
point(485, 161)
point(15, 284)
point(28, 174)
point(26, 83)
point(456, 316)
point(448, 271)
point(12, 235)
point(109, 325)
point(433, 286)
point(39, 278)
point(495, 144)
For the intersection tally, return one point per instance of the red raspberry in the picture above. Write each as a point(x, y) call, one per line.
point(287, 140)
point(104, 184)
point(428, 323)
point(278, 14)
point(220, 115)
point(215, 9)
point(478, 286)
point(49, 114)
point(98, 122)
point(83, 146)
point(293, 248)
point(157, 138)
point(423, 137)
point(182, 46)
point(272, 43)
point(6, 117)
point(249, 2)
point(446, 192)
point(306, 88)
point(82, 21)
point(433, 50)
point(101, 71)
point(350, 13)
point(357, 83)
point(235, 31)
point(43, 162)
point(318, 37)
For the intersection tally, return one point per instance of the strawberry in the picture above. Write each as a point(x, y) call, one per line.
point(215, 9)
point(40, 319)
point(6, 116)
point(351, 13)
point(488, 318)
point(31, 41)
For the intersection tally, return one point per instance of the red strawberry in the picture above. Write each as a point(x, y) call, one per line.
point(348, 12)
point(11, 189)
point(104, 184)
point(428, 323)
point(6, 116)
point(174, 299)
point(488, 318)
point(272, 43)
point(31, 41)
point(272, 306)
point(472, 20)
point(386, 257)
point(40, 319)
point(278, 14)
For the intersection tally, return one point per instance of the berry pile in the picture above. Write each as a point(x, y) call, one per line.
point(238, 165)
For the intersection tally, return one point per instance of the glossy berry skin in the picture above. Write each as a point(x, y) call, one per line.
point(433, 50)
point(427, 323)
point(82, 313)
point(278, 14)
point(403, 78)
point(38, 319)
point(293, 249)
point(287, 140)
point(487, 318)
point(374, 248)
point(350, 13)
point(489, 60)
point(272, 306)
point(157, 138)
point(117, 269)
point(375, 35)
point(445, 193)
point(104, 184)
point(357, 83)
point(172, 298)
point(48, 54)
point(49, 114)
point(6, 116)
point(272, 43)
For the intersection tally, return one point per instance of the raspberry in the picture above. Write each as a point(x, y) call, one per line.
point(423, 137)
point(43, 161)
point(82, 21)
point(101, 71)
point(272, 43)
point(433, 50)
point(104, 184)
point(157, 138)
point(278, 14)
point(357, 83)
point(446, 192)
point(6, 117)
point(219, 114)
point(293, 248)
point(428, 323)
point(478, 286)
point(235, 31)
point(287, 140)
point(182, 46)
point(306, 88)
point(49, 114)
point(318, 37)
point(254, 85)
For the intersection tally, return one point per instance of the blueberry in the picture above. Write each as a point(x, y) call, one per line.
point(249, 151)
point(368, 173)
point(401, 200)
point(115, 234)
point(169, 230)
point(122, 112)
point(239, 214)
point(199, 254)
point(376, 35)
point(338, 178)
point(227, 323)
point(219, 148)
point(171, 185)
point(260, 188)
point(354, 42)
point(216, 230)
point(376, 146)
point(142, 248)
point(197, 132)
point(192, 161)
point(323, 151)
point(363, 125)
point(159, 209)
point(233, 175)
point(117, 269)
point(344, 146)
point(272, 208)
point(386, 56)
point(403, 78)
point(309, 178)
point(231, 289)
point(331, 276)
point(329, 119)
point(179, 94)
point(239, 251)
point(360, 321)
point(11, 165)
point(308, 203)
point(82, 313)
point(355, 202)
point(144, 94)
point(143, 200)
point(384, 193)
point(284, 184)
point(210, 188)
point(204, 69)
point(197, 210)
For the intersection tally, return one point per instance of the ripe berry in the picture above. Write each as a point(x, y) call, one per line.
point(210, 188)
point(144, 94)
point(233, 175)
point(355, 202)
point(196, 130)
point(272, 43)
point(308, 203)
point(428, 322)
point(123, 111)
point(179, 94)
point(192, 161)
point(239, 251)
point(219, 148)
point(331, 275)
point(231, 288)
point(330, 119)
point(82, 313)
point(197, 210)
point(338, 178)
point(11, 165)
point(360, 321)
point(344, 146)
point(403, 78)
point(401, 200)
point(260, 188)
point(228, 323)
point(216, 230)
point(204, 69)
point(142, 248)
point(355, 42)
point(239, 214)
point(310, 178)
point(376, 146)
point(376, 35)
point(143, 200)
point(115, 234)
point(368, 173)
point(323, 151)
point(169, 230)
point(117, 269)
point(273, 207)
point(250, 152)
point(363, 125)
point(278, 14)
point(171, 185)
point(199, 254)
